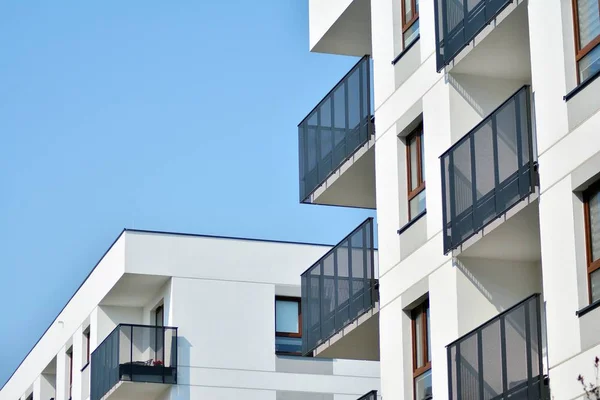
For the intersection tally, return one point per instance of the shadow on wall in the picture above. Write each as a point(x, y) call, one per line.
point(181, 391)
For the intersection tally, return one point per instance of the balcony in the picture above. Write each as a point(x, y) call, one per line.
point(336, 134)
point(488, 171)
point(339, 300)
point(134, 353)
point(372, 395)
point(502, 358)
point(340, 26)
point(459, 21)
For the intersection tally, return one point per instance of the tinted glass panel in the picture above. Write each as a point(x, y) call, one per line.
point(595, 285)
point(411, 33)
point(423, 389)
point(588, 15)
point(286, 316)
point(594, 225)
point(417, 204)
point(288, 345)
point(590, 64)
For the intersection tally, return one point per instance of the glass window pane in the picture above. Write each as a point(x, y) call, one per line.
point(408, 13)
point(422, 157)
point(423, 387)
point(590, 64)
point(594, 205)
point(588, 14)
point(288, 345)
point(414, 169)
point(417, 204)
point(418, 339)
point(286, 316)
point(411, 34)
point(595, 285)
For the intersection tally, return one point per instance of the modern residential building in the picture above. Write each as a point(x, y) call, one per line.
point(473, 128)
point(177, 316)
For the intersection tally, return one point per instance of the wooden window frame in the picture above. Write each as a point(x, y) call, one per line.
point(581, 52)
point(289, 334)
point(406, 25)
point(416, 134)
point(592, 266)
point(420, 312)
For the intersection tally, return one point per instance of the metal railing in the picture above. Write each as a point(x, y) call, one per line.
point(335, 128)
point(339, 287)
point(137, 353)
point(458, 22)
point(372, 395)
point(488, 171)
point(501, 358)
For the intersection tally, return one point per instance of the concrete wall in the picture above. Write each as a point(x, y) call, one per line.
point(220, 293)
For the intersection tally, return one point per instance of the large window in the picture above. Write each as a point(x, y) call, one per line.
point(421, 352)
point(587, 37)
point(592, 220)
point(288, 325)
point(410, 21)
point(416, 172)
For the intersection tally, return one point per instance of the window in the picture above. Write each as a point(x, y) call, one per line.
point(410, 21)
point(288, 325)
point(592, 222)
point(421, 352)
point(587, 37)
point(70, 361)
point(86, 345)
point(416, 172)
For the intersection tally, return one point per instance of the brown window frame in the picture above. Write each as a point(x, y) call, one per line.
point(420, 312)
point(581, 52)
point(289, 334)
point(406, 25)
point(416, 134)
point(592, 266)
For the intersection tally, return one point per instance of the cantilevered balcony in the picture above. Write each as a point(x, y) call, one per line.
point(339, 300)
point(134, 353)
point(488, 171)
point(337, 162)
point(501, 359)
point(372, 395)
point(459, 21)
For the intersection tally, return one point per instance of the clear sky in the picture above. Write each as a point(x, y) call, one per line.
point(163, 115)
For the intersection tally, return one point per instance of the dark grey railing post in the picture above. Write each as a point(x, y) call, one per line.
point(453, 239)
point(480, 364)
point(538, 307)
point(503, 353)
point(449, 356)
point(458, 373)
point(530, 392)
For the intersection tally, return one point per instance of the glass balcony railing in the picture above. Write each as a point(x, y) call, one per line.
point(372, 395)
point(135, 353)
point(459, 21)
point(339, 287)
point(488, 171)
point(335, 128)
point(501, 359)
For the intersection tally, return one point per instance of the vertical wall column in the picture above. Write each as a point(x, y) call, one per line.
point(78, 354)
point(62, 377)
point(443, 308)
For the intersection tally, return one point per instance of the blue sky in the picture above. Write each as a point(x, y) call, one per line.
point(170, 115)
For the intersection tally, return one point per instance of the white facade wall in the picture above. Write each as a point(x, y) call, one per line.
point(530, 43)
point(220, 294)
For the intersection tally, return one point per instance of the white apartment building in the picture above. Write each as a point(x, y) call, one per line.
point(473, 128)
point(180, 317)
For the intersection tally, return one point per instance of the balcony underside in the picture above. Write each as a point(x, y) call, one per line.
point(515, 236)
point(359, 340)
point(136, 391)
point(500, 51)
point(352, 184)
point(340, 27)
